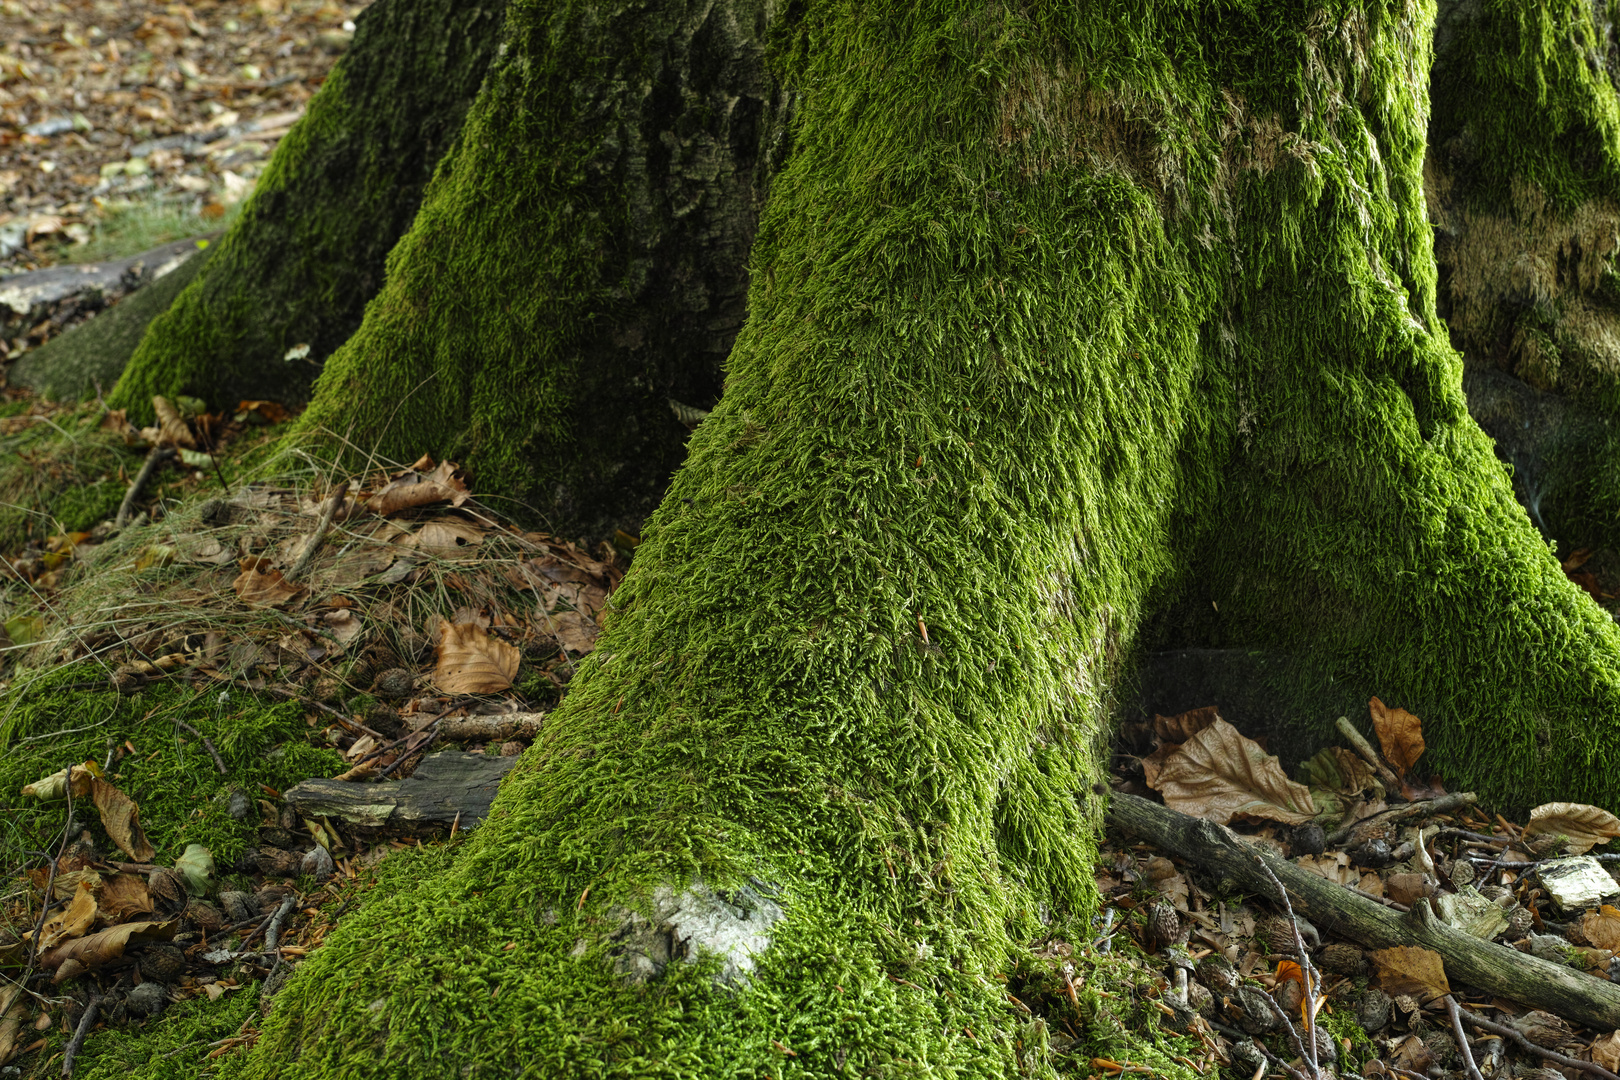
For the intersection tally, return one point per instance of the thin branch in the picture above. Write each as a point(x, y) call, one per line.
point(86, 1022)
point(158, 455)
point(338, 495)
point(1462, 1040)
point(1518, 1038)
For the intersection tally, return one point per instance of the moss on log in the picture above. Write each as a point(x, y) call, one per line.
point(341, 188)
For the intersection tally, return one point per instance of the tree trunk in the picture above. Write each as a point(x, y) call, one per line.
point(579, 264)
point(1058, 318)
point(1523, 181)
point(343, 186)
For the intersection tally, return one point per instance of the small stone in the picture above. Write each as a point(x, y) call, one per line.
point(147, 999)
point(162, 963)
point(1372, 1011)
point(274, 862)
point(1252, 1010)
point(1308, 839)
point(239, 906)
point(395, 684)
point(240, 806)
point(1550, 947)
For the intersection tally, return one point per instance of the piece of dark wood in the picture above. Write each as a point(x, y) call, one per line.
point(448, 784)
point(1493, 968)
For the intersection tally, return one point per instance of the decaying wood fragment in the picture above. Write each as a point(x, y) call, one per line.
point(445, 785)
point(1493, 968)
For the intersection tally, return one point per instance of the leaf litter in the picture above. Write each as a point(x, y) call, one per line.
point(397, 609)
point(1379, 1012)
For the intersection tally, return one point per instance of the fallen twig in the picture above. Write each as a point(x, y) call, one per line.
point(272, 932)
point(1514, 1034)
point(1360, 745)
point(86, 1022)
point(1307, 1049)
point(1462, 1040)
point(1427, 808)
point(207, 744)
point(157, 456)
point(338, 495)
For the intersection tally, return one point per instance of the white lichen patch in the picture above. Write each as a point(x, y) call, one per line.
point(733, 924)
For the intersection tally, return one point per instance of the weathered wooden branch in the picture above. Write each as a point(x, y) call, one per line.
point(446, 787)
point(1493, 968)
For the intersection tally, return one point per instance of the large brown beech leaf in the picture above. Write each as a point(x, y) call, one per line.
point(121, 817)
point(1583, 827)
point(105, 946)
point(472, 662)
point(1400, 735)
point(1407, 969)
point(1219, 774)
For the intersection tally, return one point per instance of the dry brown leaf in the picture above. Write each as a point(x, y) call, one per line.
point(1602, 928)
point(12, 1012)
point(1155, 761)
point(1407, 969)
point(172, 427)
point(72, 921)
point(343, 625)
point(446, 539)
point(262, 585)
point(1219, 774)
point(418, 489)
point(472, 662)
point(55, 786)
point(1583, 826)
point(65, 884)
point(1400, 735)
point(1335, 867)
point(106, 946)
point(1183, 726)
point(121, 817)
point(574, 632)
point(1606, 1051)
point(123, 895)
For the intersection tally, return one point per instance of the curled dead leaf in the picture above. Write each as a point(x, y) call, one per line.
point(1183, 726)
point(72, 921)
point(172, 427)
point(445, 539)
point(1219, 774)
point(123, 895)
point(419, 489)
point(105, 946)
point(472, 662)
point(121, 817)
point(55, 786)
point(1602, 928)
point(1400, 735)
point(1584, 827)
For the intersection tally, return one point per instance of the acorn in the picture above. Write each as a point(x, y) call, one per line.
point(162, 963)
point(168, 890)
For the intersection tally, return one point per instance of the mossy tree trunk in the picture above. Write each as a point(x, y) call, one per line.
point(1057, 317)
point(342, 188)
point(1523, 181)
point(579, 264)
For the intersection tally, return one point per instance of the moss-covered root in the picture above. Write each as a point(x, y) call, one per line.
point(1523, 181)
point(578, 265)
point(1043, 306)
point(307, 252)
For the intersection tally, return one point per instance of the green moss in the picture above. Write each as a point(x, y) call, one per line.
point(56, 471)
point(164, 768)
point(342, 186)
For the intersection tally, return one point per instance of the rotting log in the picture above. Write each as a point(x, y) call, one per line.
point(1494, 968)
point(447, 787)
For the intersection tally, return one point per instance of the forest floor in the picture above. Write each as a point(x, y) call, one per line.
point(127, 123)
point(185, 690)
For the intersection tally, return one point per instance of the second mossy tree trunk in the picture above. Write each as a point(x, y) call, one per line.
point(341, 189)
point(1054, 318)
